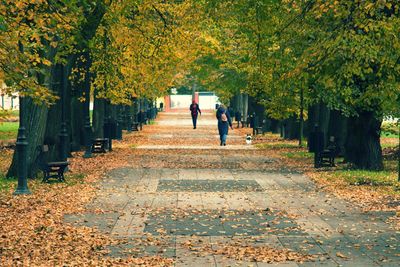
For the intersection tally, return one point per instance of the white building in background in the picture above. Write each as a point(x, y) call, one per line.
point(181, 101)
point(390, 119)
point(8, 102)
point(206, 101)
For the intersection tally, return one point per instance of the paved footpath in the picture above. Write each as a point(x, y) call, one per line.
point(202, 205)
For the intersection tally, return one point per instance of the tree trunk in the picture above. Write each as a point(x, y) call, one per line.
point(291, 128)
point(98, 117)
point(240, 104)
point(363, 148)
point(54, 117)
point(319, 114)
point(77, 120)
point(259, 110)
point(338, 129)
point(194, 91)
point(245, 106)
point(301, 119)
point(35, 119)
point(35, 128)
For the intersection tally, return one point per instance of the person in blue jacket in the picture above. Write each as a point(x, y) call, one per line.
point(224, 122)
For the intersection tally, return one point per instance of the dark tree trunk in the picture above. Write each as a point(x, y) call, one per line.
point(88, 31)
point(259, 110)
point(98, 117)
point(291, 128)
point(338, 129)
point(67, 84)
point(245, 106)
point(274, 126)
point(77, 120)
point(35, 129)
point(35, 120)
point(319, 114)
point(53, 124)
point(363, 148)
point(301, 119)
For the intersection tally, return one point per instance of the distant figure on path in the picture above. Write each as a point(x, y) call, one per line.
point(194, 110)
point(224, 120)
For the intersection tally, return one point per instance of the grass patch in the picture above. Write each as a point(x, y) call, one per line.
point(6, 183)
point(389, 134)
point(276, 145)
point(70, 179)
point(299, 155)
point(8, 130)
point(364, 177)
point(73, 179)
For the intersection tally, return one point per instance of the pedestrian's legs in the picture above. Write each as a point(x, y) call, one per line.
point(224, 139)
point(194, 120)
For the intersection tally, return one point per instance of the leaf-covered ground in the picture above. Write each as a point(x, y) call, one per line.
point(33, 230)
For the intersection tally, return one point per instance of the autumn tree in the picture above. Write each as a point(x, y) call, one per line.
point(351, 58)
point(292, 54)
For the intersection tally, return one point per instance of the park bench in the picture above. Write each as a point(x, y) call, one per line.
point(52, 169)
point(258, 130)
point(323, 156)
point(327, 157)
point(100, 145)
point(135, 126)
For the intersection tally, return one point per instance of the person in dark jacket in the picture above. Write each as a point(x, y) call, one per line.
point(224, 122)
point(194, 111)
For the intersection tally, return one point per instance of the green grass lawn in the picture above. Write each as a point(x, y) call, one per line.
point(8, 130)
point(299, 154)
point(386, 178)
point(6, 183)
point(364, 177)
point(276, 145)
point(389, 134)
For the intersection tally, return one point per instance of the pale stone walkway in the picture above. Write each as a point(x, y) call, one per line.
point(195, 214)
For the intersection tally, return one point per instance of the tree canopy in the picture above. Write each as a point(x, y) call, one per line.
point(342, 53)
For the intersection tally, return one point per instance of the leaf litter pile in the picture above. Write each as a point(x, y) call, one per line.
point(32, 231)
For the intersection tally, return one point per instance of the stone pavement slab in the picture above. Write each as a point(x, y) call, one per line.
point(209, 186)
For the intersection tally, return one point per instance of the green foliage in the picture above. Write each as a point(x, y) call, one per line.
point(35, 35)
point(342, 53)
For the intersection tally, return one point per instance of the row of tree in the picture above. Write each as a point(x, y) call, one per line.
point(328, 61)
point(59, 55)
point(335, 63)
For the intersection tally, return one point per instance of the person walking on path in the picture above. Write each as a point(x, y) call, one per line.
point(194, 110)
point(224, 121)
